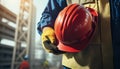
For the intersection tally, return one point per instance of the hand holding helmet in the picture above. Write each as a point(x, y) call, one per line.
point(49, 41)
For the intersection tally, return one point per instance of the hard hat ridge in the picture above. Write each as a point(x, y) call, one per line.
point(74, 28)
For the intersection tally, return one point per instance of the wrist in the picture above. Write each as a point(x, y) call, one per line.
point(47, 28)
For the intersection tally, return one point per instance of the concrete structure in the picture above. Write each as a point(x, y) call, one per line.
point(6, 32)
point(5, 56)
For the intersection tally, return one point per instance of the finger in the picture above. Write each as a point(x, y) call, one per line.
point(47, 45)
point(46, 49)
point(44, 38)
point(52, 39)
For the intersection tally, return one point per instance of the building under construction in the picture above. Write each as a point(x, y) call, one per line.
point(22, 37)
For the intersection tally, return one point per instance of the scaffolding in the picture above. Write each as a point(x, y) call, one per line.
point(24, 33)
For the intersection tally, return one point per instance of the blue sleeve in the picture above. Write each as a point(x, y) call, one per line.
point(50, 13)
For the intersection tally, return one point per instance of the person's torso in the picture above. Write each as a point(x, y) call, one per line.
point(82, 60)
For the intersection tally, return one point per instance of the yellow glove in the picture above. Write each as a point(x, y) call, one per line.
point(49, 41)
point(49, 36)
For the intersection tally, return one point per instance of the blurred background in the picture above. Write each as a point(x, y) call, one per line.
point(19, 36)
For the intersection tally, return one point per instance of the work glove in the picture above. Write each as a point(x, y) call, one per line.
point(49, 41)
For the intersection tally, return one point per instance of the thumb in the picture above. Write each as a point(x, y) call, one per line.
point(52, 38)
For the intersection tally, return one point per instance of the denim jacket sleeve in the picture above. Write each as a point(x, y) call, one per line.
point(50, 13)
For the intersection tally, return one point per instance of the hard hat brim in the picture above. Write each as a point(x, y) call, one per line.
point(79, 46)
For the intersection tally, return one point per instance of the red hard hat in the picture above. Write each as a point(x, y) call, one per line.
point(74, 28)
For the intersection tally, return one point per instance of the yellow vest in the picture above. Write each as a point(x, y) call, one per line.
point(99, 53)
